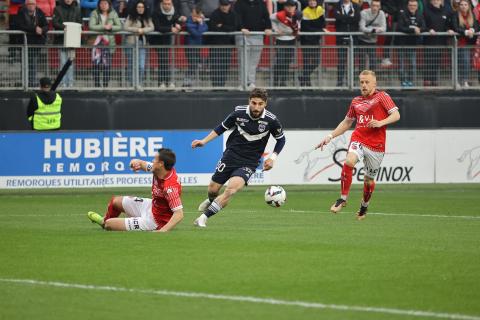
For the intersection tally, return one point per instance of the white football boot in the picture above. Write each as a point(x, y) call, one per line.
point(201, 221)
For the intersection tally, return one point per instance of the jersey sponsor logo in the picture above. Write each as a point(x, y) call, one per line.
point(242, 120)
point(362, 119)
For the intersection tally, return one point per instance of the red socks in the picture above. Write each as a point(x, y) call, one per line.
point(346, 180)
point(367, 192)
point(111, 211)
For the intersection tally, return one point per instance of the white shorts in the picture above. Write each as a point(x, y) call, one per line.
point(139, 213)
point(371, 159)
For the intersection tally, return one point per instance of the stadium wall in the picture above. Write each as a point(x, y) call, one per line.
point(203, 110)
point(101, 158)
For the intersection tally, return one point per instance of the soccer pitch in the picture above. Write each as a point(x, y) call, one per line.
point(416, 256)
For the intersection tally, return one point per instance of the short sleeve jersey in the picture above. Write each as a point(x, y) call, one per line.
point(377, 106)
point(247, 142)
point(166, 198)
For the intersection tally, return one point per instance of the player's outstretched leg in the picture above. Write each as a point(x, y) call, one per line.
point(235, 184)
point(213, 190)
point(368, 187)
point(346, 182)
point(204, 207)
point(95, 218)
point(114, 208)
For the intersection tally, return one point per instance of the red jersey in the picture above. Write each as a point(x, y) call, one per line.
point(166, 198)
point(378, 106)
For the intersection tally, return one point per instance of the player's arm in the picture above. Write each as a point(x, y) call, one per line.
point(268, 163)
point(392, 118)
point(279, 135)
point(174, 220)
point(339, 130)
point(200, 143)
point(137, 164)
point(219, 130)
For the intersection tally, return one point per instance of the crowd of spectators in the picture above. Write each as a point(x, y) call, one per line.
point(421, 20)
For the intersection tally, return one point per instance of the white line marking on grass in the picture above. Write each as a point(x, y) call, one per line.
point(201, 295)
point(259, 211)
point(391, 214)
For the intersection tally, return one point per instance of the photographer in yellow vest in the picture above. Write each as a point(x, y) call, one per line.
point(44, 108)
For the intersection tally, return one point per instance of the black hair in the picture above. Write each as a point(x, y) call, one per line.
point(134, 16)
point(168, 157)
point(259, 93)
point(109, 5)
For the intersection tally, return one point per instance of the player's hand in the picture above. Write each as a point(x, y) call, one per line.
point(324, 142)
point(197, 143)
point(136, 164)
point(267, 164)
point(374, 124)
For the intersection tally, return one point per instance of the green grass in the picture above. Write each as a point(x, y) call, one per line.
point(426, 257)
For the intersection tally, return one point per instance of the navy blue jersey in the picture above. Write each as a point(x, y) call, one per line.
point(247, 142)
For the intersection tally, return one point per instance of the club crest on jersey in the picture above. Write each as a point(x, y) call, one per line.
point(261, 127)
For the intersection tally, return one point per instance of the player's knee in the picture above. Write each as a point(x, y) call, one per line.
point(117, 203)
point(350, 162)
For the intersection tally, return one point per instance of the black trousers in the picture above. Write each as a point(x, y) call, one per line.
point(283, 59)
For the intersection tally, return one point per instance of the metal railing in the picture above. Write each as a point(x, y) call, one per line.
point(280, 65)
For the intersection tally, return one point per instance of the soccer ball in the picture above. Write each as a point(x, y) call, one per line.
point(275, 196)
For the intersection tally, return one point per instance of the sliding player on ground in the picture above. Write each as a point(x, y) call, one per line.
point(161, 213)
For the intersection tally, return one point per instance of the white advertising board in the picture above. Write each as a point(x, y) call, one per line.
point(409, 159)
point(457, 156)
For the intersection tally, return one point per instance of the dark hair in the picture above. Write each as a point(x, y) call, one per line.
point(109, 5)
point(168, 157)
point(134, 16)
point(198, 9)
point(45, 82)
point(259, 93)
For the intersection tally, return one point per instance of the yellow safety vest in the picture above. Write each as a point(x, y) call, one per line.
point(48, 116)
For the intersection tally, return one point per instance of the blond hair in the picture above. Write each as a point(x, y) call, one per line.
point(368, 73)
point(461, 20)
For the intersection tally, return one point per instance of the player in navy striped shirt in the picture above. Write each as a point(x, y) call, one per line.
point(252, 126)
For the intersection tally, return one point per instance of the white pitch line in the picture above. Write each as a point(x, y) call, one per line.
point(271, 301)
point(392, 214)
point(259, 211)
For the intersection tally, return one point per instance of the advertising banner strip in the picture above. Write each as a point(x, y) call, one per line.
point(101, 158)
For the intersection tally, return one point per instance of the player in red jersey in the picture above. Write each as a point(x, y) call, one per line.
point(373, 111)
point(161, 213)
